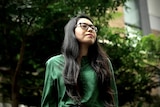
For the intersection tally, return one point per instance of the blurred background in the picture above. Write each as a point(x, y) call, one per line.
point(32, 31)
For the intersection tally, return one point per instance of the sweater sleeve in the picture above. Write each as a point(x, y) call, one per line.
point(49, 95)
point(113, 84)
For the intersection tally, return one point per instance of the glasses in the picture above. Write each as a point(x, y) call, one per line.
point(85, 26)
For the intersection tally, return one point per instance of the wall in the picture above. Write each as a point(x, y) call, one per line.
point(154, 15)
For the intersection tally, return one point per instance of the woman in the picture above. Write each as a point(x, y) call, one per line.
point(82, 76)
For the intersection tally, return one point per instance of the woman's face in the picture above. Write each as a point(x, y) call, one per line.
point(85, 32)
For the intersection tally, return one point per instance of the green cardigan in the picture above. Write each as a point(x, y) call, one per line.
point(54, 94)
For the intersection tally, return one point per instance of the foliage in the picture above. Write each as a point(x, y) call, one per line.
point(31, 31)
point(136, 62)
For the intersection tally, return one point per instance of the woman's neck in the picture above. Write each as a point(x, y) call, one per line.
point(82, 52)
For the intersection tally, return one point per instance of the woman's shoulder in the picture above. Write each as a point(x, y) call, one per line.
point(56, 59)
point(54, 66)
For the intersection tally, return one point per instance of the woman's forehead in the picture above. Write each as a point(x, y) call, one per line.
point(84, 20)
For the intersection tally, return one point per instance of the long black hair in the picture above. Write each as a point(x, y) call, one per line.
point(98, 60)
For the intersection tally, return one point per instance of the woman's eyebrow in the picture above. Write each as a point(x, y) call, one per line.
point(85, 23)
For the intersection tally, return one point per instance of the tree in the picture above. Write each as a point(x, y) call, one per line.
point(136, 63)
point(31, 32)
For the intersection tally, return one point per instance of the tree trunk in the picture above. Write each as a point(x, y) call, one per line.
point(14, 96)
point(15, 87)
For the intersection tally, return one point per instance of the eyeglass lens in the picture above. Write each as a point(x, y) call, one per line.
point(86, 26)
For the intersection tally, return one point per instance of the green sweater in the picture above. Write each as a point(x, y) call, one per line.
point(54, 94)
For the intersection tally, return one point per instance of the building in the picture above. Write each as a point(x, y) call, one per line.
point(144, 15)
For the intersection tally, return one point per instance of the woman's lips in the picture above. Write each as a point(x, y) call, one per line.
point(89, 35)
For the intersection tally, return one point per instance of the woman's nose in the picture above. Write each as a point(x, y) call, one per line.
point(90, 29)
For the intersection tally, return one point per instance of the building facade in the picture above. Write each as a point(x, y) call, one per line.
point(144, 15)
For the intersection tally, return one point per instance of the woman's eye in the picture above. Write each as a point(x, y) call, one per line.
point(84, 26)
point(92, 27)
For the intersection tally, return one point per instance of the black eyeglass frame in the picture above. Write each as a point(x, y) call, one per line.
point(87, 26)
